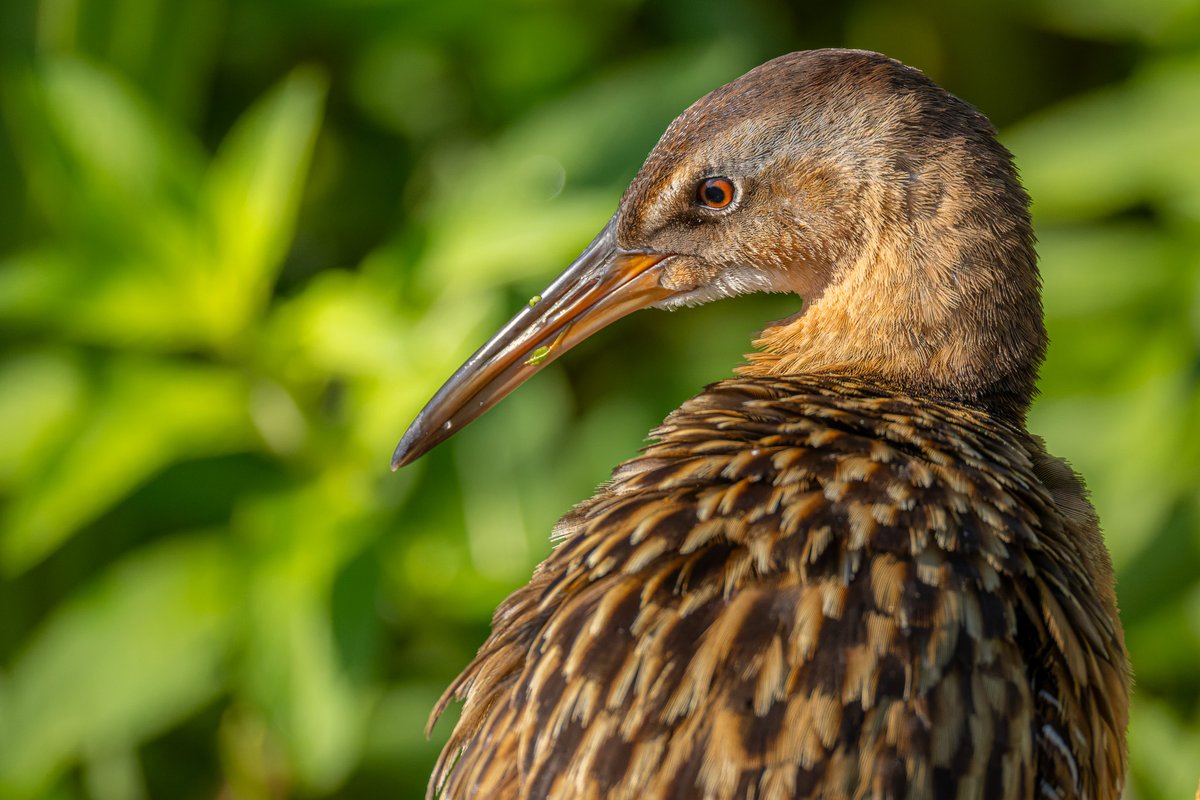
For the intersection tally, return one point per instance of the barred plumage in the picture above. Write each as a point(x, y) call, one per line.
point(806, 586)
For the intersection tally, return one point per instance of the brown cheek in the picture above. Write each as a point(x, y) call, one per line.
point(683, 274)
point(823, 227)
point(791, 250)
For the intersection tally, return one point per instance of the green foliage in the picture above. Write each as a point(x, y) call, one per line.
point(244, 242)
point(144, 671)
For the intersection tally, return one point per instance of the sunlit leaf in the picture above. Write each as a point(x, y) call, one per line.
point(121, 185)
point(252, 193)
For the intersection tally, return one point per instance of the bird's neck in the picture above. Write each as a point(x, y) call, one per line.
point(961, 323)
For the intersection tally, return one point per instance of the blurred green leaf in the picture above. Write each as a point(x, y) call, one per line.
point(1165, 750)
point(133, 653)
point(1151, 20)
point(142, 415)
point(132, 301)
point(1117, 146)
point(1126, 447)
point(166, 45)
point(44, 394)
point(292, 668)
point(186, 257)
point(106, 162)
point(251, 195)
point(1089, 270)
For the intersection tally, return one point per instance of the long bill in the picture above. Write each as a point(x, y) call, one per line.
point(604, 284)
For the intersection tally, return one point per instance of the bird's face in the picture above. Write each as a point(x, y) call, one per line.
point(762, 185)
point(680, 237)
point(751, 209)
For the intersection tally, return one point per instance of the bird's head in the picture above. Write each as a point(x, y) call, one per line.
point(842, 176)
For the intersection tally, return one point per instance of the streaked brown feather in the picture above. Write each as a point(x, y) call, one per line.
point(808, 587)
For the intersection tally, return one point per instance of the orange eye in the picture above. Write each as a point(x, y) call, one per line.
point(715, 192)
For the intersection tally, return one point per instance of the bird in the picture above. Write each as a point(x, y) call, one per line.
point(848, 570)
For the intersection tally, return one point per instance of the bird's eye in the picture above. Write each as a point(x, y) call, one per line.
point(715, 192)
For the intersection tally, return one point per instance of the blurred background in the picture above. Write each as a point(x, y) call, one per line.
point(241, 243)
